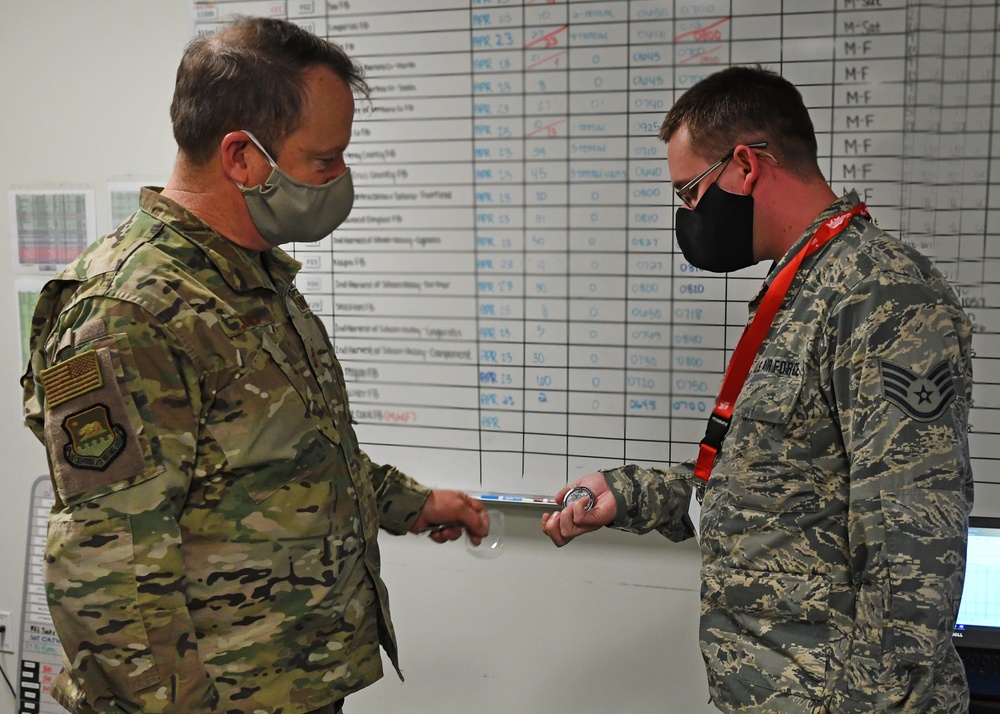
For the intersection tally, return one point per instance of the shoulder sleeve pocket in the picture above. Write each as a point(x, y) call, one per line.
point(97, 437)
point(93, 598)
point(925, 544)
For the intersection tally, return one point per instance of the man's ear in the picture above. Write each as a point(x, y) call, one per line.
point(748, 164)
point(233, 151)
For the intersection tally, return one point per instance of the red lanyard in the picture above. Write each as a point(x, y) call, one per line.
point(752, 338)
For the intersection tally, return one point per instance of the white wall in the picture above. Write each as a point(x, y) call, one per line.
point(607, 624)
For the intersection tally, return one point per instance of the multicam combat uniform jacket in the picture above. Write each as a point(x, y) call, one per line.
point(213, 543)
point(833, 528)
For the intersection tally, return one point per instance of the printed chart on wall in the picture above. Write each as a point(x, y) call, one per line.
point(507, 299)
point(41, 650)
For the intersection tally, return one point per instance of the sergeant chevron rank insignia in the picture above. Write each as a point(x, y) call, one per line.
point(922, 397)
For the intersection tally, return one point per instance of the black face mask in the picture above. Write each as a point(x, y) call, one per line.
point(717, 234)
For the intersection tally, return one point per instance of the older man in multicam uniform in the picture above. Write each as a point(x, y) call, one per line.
point(834, 519)
point(213, 543)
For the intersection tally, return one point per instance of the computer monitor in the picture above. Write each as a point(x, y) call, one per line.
point(977, 629)
point(978, 623)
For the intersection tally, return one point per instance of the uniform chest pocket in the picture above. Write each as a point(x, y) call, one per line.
point(770, 397)
point(770, 451)
point(264, 428)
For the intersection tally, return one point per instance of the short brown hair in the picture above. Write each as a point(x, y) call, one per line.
point(741, 105)
point(250, 76)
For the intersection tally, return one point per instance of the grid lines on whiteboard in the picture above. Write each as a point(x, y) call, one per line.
point(507, 299)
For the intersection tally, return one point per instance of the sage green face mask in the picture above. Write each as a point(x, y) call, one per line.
point(285, 210)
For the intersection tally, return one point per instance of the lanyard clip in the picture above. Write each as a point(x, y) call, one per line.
point(711, 445)
point(715, 431)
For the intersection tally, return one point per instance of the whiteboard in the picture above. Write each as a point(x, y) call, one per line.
point(507, 299)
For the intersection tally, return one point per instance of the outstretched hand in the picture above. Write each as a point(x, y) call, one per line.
point(565, 525)
point(447, 514)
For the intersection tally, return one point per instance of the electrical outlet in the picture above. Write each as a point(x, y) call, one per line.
point(7, 636)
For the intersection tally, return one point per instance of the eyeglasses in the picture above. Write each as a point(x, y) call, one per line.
point(687, 193)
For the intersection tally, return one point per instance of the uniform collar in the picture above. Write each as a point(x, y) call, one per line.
point(841, 205)
point(238, 266)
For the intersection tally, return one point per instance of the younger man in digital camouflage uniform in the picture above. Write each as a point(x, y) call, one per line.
point(213, 543)
point(834, 522)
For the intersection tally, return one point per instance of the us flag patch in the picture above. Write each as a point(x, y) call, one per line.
point(922, 397)
point(70, 379)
